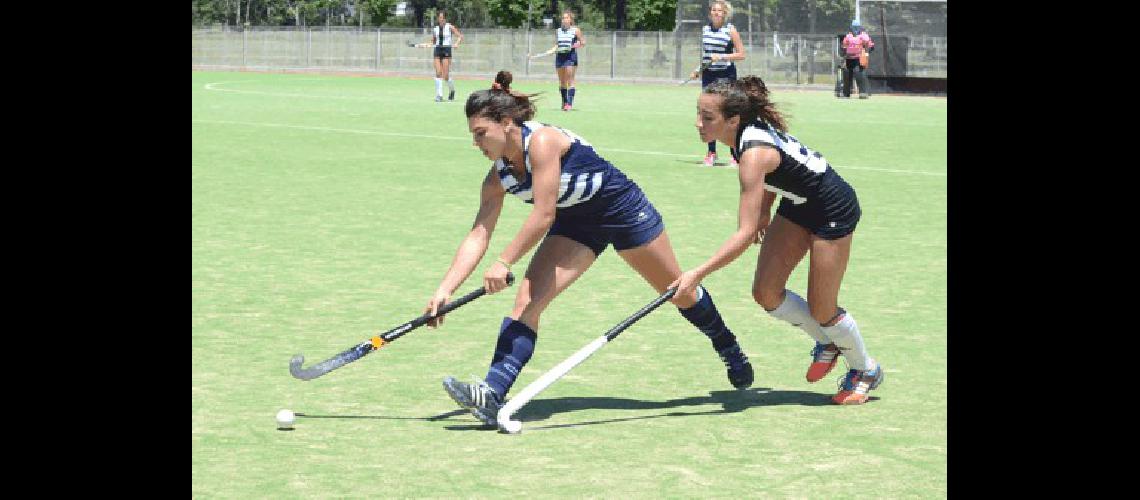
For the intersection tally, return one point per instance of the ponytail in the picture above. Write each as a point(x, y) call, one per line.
point(500, 101)
point(748, 99)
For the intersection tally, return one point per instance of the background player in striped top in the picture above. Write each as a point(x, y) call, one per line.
point(442, 43)
point(582, 204)
point(567, 42)
point(568, 39)
point(818, 213)
point(720, 46)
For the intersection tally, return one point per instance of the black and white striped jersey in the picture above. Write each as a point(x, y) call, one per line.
point(802, 176)
point(716, 41)
point(566, 39)
point(585, 176)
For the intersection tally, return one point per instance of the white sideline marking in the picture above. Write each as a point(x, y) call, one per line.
point(467, 139)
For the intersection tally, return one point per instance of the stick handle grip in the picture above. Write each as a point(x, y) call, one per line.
point(399, 331)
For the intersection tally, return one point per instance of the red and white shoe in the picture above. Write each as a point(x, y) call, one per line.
point(823, 359)
point(732, 162)
point(855, 385)
point(566, 107)
point(710, 159)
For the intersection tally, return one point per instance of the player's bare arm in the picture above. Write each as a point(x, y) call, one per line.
point(546, 148)
point(474, 246)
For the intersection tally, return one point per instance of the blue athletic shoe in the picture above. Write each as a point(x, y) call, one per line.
point(739, 369)
point(855, 385)
point(477, 397)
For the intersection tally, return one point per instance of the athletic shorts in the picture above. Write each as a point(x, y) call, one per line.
point(442, 53)
point(566, 59)
point(829, 221)
point(708, 76)
point(636, 224)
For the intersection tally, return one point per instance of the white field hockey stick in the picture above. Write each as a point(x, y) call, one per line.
point(532, 390)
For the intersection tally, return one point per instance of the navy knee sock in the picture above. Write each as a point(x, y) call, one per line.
point(706, 318)
point(712, 147)
point(570, 96)
point(562, 91)
point(515, 346)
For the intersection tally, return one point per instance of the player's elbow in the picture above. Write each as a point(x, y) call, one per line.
point(544, 216)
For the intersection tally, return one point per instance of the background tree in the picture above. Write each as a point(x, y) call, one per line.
point(377, 11)
point(652, 15)
point(511, 13)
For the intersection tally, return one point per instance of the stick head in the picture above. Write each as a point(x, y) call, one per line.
point(295, 368)
point(510, 426)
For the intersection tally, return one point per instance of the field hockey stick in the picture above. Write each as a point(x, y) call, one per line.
point(423, 45)
point(365, 348)
point(551, 376)
point(698, 71)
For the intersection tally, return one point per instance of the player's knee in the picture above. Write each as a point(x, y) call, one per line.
point(768, 298)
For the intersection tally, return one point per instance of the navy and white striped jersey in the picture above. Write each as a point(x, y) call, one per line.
point(588, 181)
point(803, 175)
point(445, 40)
point(566, 39)
point(716, 42)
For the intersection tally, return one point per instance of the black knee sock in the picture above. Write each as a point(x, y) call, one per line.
point(706, 318)
point(515, 346)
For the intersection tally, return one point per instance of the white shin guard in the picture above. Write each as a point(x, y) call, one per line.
point(794, 309)
point(438, 86)
point(845, 335)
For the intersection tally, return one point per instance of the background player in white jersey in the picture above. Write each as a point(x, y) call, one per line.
point(720, 46)
point(818, 213)
point(444, 37)
point(567, 40)
point(582, 204)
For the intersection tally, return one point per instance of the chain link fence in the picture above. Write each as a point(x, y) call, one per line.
point(630, 56)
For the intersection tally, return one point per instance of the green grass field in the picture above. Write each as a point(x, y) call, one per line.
point(326, 209)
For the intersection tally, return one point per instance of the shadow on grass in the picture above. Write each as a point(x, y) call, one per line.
point(542, 409)
point(727, 402)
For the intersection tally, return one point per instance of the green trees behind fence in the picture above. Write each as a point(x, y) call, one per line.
point(802, 16)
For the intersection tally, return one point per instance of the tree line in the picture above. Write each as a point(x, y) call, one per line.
point(807, 16)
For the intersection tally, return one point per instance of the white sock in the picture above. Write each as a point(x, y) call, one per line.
point(439, 87)
point(794, 309)
point(846, 336)
point(450, 84)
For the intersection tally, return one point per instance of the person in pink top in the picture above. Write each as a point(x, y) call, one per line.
point(854, 44)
